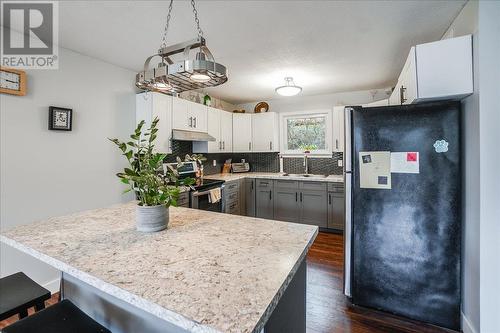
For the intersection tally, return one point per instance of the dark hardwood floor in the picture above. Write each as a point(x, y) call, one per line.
point(327, 308)
point(328, 311)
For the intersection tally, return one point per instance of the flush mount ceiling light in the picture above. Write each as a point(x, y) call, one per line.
point(289, 89)
point(187, 74)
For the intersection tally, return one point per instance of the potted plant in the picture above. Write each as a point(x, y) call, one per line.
point(145, 178)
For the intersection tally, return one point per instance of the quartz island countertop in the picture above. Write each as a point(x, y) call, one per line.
point(208, 272)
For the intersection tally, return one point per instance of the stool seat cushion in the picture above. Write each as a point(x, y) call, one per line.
point(63, 317)
point(18, 292)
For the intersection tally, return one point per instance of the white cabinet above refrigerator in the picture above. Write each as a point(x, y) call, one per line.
point(436, 71)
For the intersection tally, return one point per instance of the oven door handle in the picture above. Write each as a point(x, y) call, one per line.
point(198, 194)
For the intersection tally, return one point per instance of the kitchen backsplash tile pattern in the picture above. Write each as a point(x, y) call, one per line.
point(322, 166)
point(259, 162)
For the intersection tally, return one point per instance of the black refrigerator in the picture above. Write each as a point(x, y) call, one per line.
point(403, 213)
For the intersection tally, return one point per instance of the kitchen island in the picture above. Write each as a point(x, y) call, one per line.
point(208, 272)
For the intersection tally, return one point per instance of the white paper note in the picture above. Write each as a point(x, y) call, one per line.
point(405, 162)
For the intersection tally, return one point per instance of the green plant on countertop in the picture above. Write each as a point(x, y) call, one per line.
point(308, 148)
point(144, 175)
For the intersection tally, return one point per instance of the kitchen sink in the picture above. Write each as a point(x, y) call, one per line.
point(303, 175)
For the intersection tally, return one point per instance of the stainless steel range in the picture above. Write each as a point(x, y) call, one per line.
point(199, 196)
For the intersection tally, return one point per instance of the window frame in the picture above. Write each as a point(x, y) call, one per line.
point(284, 116)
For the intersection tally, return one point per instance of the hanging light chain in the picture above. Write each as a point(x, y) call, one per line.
point(165, 31)
point(196, 20)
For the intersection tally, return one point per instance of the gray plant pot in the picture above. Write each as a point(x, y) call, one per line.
point(151, 218)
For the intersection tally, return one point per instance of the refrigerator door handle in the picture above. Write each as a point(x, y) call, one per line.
point(348, 197)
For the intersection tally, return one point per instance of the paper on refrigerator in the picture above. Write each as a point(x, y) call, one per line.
point(375, 169)
point(405, 162)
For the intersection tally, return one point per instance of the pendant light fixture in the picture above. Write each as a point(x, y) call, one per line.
point(289, 89)
point(188, 74)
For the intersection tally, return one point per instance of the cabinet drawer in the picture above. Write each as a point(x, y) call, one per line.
point(264, 184)
point(232, 186)
point(291, 184)
point(231, 197)
point(313, 186)
point(233, 208)
point(336, 187)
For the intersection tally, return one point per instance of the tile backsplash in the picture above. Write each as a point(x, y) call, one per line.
point(260, 162)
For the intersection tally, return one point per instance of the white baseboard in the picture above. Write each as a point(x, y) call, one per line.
point(466, 324)
point(53, 286)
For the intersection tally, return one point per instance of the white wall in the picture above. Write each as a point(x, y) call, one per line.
point(302, 103)
point(467, 23)
point(489, 83)
point(48, 173)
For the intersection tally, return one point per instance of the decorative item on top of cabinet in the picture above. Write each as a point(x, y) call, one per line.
point(60, 119)
point(261, 107)
point(12, 81)
point(436, 71)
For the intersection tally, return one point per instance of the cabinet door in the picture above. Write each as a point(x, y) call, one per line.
point(198, 115)
point(408, 79)
point(335, 211)
point(338, 129)
point(242, 132)
point(286, 200)
point(180, 114)
point(313, 208)
point(226, 131)
point(265, 132)
point(151, 105)
point(264, 207)
point(213, 129)
point(250, 197)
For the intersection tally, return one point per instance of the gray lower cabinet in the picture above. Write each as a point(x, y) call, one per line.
point(249, 196)
point(286, 200)
point(313, 207)
point(336, 207)
point(183, 200)
point(232, 197)
point(264, 207)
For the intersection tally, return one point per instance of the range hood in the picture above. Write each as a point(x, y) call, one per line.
point(182, 135)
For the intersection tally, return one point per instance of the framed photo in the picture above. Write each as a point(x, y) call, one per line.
point(60, 119)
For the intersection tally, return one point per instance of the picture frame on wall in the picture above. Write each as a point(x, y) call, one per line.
point(60, 119)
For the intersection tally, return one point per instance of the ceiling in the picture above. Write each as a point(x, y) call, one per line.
point(327, 46)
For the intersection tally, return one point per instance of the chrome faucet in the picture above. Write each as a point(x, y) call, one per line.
point(306, 165)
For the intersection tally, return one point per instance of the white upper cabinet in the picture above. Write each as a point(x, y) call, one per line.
point(220, 126)
point(242, 132)
point(189, 116)
point(265, 132)
point(226, 131)
point(338, 129)
point(436, 71)
point(151, 105)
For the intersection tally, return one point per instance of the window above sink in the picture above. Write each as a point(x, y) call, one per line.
point(306, 131)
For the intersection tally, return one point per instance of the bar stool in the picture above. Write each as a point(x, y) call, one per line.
point(63, 317)
point(18, 293)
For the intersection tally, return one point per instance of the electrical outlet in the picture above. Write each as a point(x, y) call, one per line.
point(340, 163)
point(214, 162)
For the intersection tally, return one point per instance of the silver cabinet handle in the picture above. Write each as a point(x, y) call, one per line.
point(270, 145)
point(249, 146)
point(337, 143)
point(220, 145)
point(224, 145)
point(402, 94)
point(190, 121)
point(194, 122)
